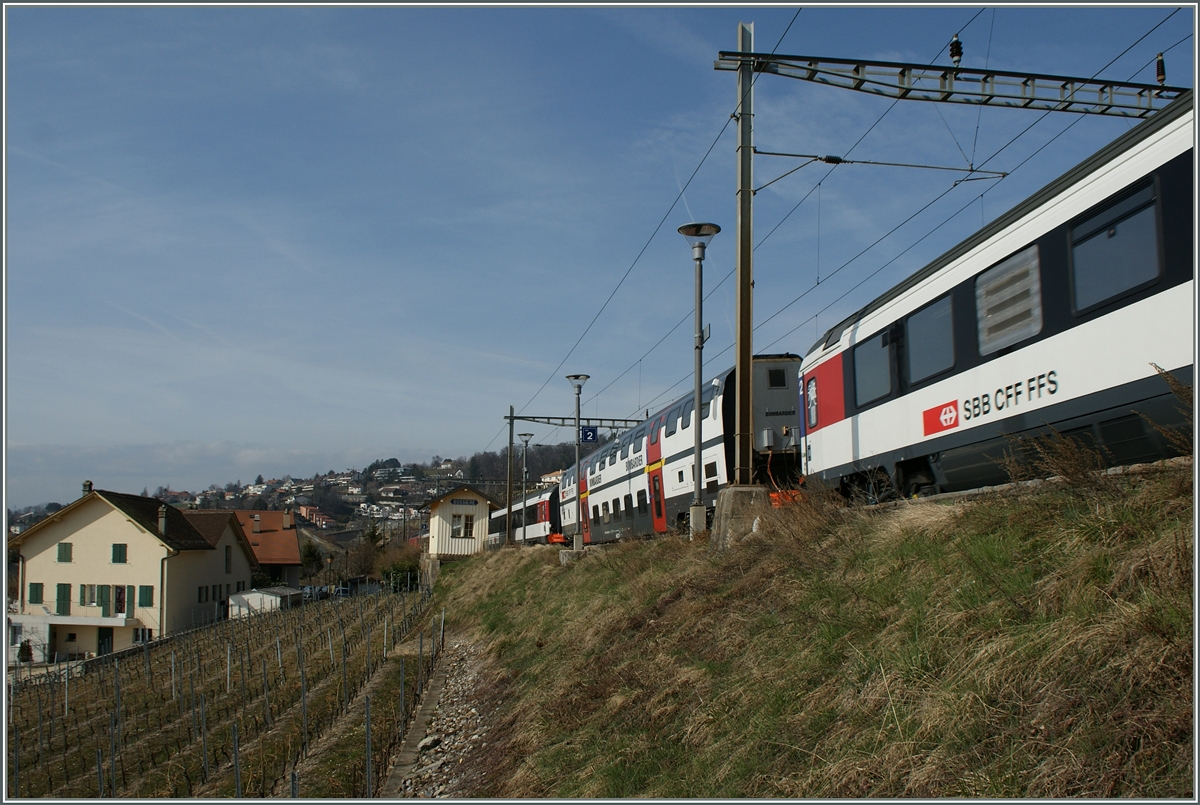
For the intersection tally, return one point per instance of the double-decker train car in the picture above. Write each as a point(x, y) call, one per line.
point(642, 483)
point(1049, 317)
point(535, 519)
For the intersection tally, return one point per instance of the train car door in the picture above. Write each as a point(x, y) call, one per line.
point(654, 480)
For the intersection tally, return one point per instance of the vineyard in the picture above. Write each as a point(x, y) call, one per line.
point(310, 701)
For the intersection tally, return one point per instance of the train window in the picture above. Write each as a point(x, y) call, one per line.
point(595, 514)
point(629, 505)
point(616, 508)
point(638, 435)
point(673, 421)
point(1115, 251)
point(625, 446)
point(688, 408)
point(612, 457)
point(1008, 301)
point(810, 401)
point(604, 510)
point(654, 433)
point(930, 341)
point(706, 397)
point(776, 379)
point(710, 476)
point(872, 370)
point(641, 502)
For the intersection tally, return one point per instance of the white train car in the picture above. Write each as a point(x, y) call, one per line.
point(535, 519)
point(1051, 316)
point(642, 483)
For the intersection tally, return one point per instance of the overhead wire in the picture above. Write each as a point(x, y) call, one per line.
point(930, 203)
point(649, 240)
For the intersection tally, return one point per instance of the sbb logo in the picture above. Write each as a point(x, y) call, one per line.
point(941, 417)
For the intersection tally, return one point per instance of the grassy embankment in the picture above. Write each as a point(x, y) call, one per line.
point(1033, 644)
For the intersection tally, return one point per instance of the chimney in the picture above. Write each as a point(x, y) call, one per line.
point(87, 487)
point(162, 520)
point(257, 523)
point(287, 519)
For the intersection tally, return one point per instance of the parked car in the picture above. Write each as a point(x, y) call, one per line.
point(341, 592)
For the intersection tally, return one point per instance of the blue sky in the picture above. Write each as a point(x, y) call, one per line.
point(286, 240)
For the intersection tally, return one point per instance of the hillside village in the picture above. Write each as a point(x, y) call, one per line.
point(114, 569)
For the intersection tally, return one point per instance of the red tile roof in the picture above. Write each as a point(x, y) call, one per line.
point(272, 544)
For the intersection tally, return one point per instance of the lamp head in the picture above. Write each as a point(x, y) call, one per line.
point(525, 437)
point(699, 234)
point(577, 381)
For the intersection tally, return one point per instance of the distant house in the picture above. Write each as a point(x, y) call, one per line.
point(458, 522)
point(111, 570)
point(276, 544)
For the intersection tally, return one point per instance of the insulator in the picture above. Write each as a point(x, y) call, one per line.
point(1160, 70)
point(832, 160)
point(955, 50)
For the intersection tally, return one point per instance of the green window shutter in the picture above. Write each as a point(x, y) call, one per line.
point(129, 601)
point(145, 596)
point(35, 592)
point(118, 553)
point(102, 599)
point(62, 600)
point(82, 594)
point(64, 552)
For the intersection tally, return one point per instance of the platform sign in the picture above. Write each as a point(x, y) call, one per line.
point(589, 434)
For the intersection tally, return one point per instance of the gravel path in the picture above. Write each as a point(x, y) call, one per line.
point(452, 756)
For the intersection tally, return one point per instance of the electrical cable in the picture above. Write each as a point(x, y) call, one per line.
point(654, 234)
point(939, 197)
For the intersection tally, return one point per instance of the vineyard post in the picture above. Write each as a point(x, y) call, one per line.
point(345, 687)
point(304, 707)
point(237, 765)
point(228, 667)
point(146, 654)
point(100, 773)
point(266, 695)
point(443, 627)
point(368, 697)
point(329, 637)
point(192, 682)
point(403, 714)
point(117, 689)
point(204, 737)
point(41, 739)
point(420, 662)
point(17, 759)
point(112, 753)
point(279, 654)
point(295, 785)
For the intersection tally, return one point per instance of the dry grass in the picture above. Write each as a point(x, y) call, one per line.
point(1017, 646)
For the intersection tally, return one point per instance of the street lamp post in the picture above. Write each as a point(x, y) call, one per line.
point(698, 235)
point(525, 437)
point(577, 381)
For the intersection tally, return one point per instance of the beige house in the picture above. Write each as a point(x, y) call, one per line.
point(458, 522)
point(113, 570)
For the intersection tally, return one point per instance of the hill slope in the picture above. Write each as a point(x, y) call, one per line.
point(1031, 645)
